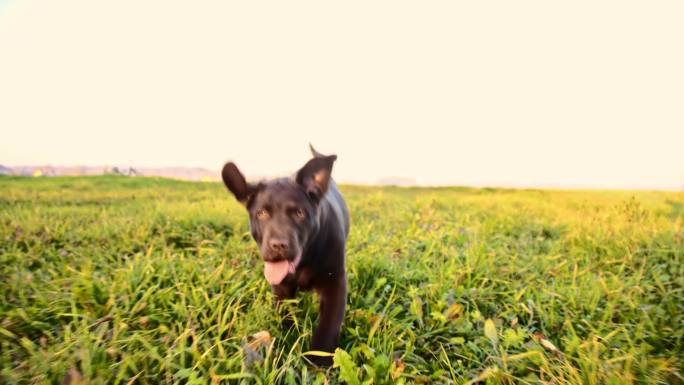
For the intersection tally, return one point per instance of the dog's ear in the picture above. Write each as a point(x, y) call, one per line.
point(236, 183)
point(315, 176)
point(315, 153)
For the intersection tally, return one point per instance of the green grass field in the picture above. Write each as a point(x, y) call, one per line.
point(120, 280)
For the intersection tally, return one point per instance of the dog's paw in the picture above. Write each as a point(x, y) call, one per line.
point(286, 323)
point(321, 362)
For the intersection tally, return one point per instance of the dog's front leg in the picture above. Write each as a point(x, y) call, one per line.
point(283, 291)
point(332, 301)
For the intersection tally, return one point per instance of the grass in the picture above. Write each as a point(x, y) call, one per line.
point(116, 280)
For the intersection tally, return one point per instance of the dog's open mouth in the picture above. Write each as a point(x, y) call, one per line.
point(275, 272)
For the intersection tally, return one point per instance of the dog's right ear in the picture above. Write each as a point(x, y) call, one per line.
point(236, 183)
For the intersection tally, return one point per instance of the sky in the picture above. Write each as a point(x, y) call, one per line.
point(581, 94)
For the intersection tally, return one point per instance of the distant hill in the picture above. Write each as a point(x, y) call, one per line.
point(395, 181)
point(185, 173)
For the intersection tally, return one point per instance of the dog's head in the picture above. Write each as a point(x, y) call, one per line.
point(283, 213)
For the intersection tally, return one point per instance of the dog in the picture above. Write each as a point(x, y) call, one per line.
point(301, 224)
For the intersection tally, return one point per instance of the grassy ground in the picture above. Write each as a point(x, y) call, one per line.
point(117, 280)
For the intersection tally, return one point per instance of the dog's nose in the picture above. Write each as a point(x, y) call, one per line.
point(278, 245)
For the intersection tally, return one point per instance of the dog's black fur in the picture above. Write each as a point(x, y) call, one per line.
point(304, 215)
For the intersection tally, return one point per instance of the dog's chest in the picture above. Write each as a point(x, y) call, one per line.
point(308, 278)
point(305, 278)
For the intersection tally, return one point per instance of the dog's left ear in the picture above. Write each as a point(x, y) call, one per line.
point(315, 176)
point(236, 183)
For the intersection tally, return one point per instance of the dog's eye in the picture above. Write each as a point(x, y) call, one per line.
point(262, 214)
point(299, 213)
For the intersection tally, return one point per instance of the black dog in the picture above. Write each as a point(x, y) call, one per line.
point(301, 225)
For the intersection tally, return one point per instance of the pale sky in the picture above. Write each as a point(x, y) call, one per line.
point(500, 93)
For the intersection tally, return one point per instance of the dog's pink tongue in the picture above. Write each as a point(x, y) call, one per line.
point(275, 272)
